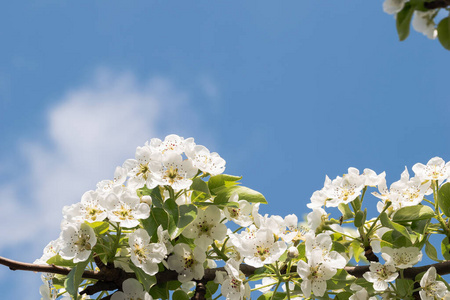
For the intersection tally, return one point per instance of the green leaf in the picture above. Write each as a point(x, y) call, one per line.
point(158, 216)
point(100, 228)
point(180, 294)
point(155, 193)
point(57, 260)
point(386, 222)
point(74, 278)
point(146, 280)
point(201, 186)
point(216, 183)
point(420, 226)
point(444, 198)
point(160, 291)
point(404, 287)
point(413, 213)
point(211, 288)
point(443, 29)
point(346, 211)
point(359, 219)
point(404, 20)
point(445, 248)
point(343, 296)
point(180, 216)
point(244, 193)
point(431, 251)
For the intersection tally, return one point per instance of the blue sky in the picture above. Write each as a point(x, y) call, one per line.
point(286, 92)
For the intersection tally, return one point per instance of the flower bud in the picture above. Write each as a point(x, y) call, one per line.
point(146, 199)
point(292, 252)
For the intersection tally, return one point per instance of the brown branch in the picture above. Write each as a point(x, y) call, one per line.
point(436, 4)
point(111, 278)
point(200, 291)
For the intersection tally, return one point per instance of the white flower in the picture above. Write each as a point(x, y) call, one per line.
point(132, 289)
point(140, 169)
point(380, 275)
point(436, 168)
point(344, 189)
point(172, 143)
point(50, 250)
point(319, 198)
point(294, 232)
point(323, 243)
point(393, 6)
point(206, 227)
point(125, 208)
point(89, 209)
point(262, 249)
point(360, 293)
point(240, 215)
point(77, 242)
point(266, 285)
point(144, 254)
point(207, 162)
point(431, 289)
point(187, 263)
point(175, 171)
point(316, 218)
point(233, 286)
point(402, 258)
point(104, 187)
point(47, 290)
point(314, 274)
point(423, 22)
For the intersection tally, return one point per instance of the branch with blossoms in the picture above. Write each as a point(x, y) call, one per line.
point(427, 17)
point(160, 228)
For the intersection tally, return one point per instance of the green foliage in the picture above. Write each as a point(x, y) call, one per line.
point(443, 29)
point(404, 20)
point(74, 279)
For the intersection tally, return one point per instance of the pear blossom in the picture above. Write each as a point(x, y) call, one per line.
point(47, 290)
point(316, 218)
point(266, 285)
point(402, 258)
point(204, 160)
point(50, 250)
point(319, 198)
point(240, 215)
point(343, 189)
point(88, 209)
point(77, 241)
point(125, 208)
point(144, 254)
point(323, 243)
point(393, 6)
point(105, 187)
point(132, 289)
point(431, 289)
point(360, 293)
point(175, 171)
point(436, 168)
point(206, 227)
point(314, 274)
point(423, 22)
point(186, 262)
point(262, 249)
point(294, 231)
point(172, 143)
point(233, 286)
point(380, 275)
point(140, 169)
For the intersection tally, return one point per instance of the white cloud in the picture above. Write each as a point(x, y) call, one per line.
point(91, 130)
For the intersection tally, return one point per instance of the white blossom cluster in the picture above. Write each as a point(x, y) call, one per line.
point(169, 207)
point(423, 21)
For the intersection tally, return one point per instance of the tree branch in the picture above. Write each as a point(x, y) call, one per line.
point(436, 4)
point(111, 278)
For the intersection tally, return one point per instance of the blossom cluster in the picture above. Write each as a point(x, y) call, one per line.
point(172, 208)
